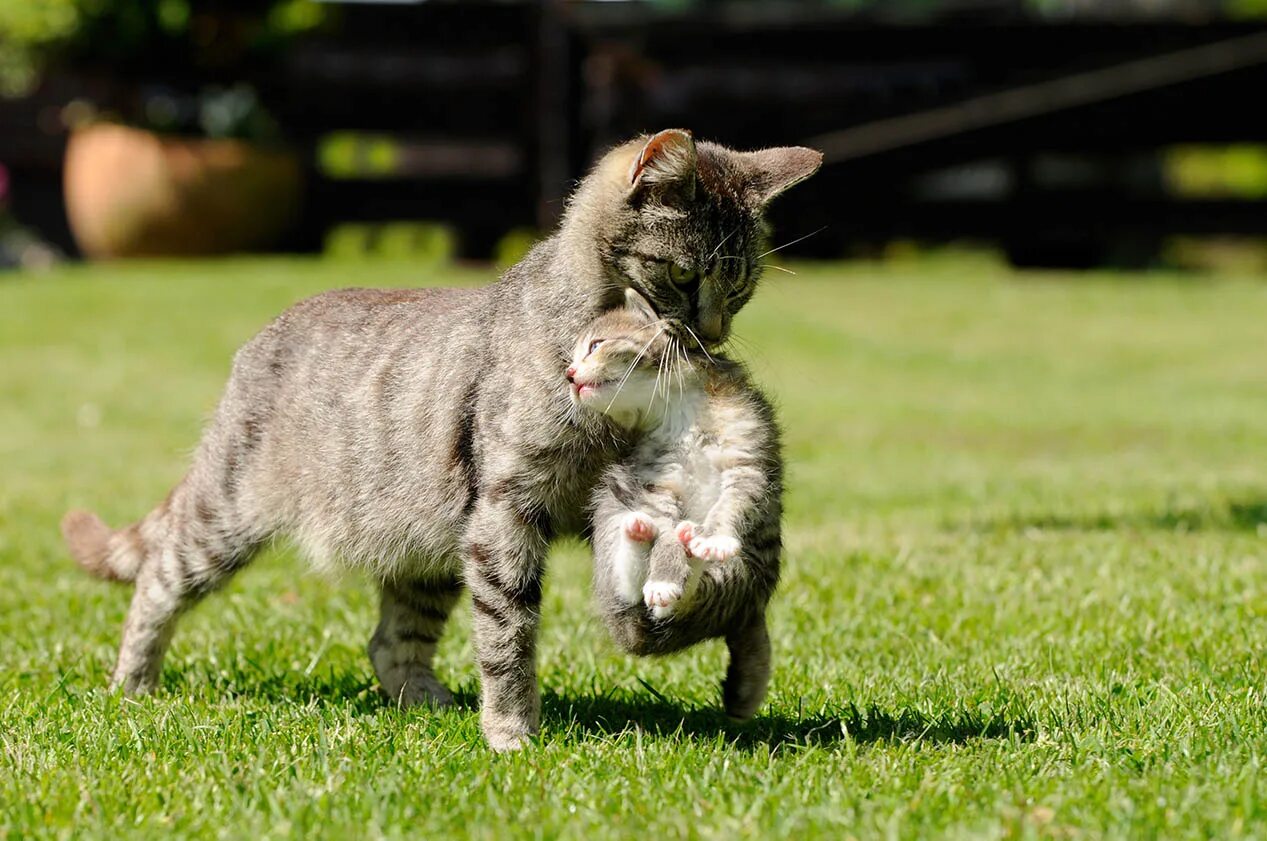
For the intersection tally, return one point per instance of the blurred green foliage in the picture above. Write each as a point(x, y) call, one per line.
point(514, 246)
point(1238, 171)
point(422, 243)
point(37, 33)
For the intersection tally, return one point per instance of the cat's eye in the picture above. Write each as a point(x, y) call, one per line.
point(682, 276)
point(594, 346)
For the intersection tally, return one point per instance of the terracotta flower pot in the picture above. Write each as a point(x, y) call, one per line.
point(132, 193)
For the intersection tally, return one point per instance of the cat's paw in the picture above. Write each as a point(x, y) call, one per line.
point(414, 686)
point(686, 534)
point(719, 547)
point(639, 528)
point(661, 597)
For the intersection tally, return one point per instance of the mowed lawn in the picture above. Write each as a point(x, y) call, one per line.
point(1025, 589)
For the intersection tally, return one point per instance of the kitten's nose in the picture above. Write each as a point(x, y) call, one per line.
point(570, 372)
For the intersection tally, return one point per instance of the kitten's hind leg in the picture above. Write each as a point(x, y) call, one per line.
point(404, 644)
point(670, 576)
point(748, 676)
point(629, 556)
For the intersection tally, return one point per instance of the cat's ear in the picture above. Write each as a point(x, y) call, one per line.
point(639, 305)
point(772, 171)
point(664, 167)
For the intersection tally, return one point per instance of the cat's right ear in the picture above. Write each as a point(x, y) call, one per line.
point(640, 306)
point(664, 168)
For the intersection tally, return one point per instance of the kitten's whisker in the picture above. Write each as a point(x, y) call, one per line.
point(776, 268)
point(793, 242)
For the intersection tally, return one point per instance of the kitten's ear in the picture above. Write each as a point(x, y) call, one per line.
point(771, 171)
point(665, 167)
point(641, 306)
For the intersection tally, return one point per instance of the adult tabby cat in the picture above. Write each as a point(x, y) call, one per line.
point(686, 528)
point(427, 436)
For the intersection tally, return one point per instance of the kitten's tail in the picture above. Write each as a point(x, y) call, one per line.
point(101, 551)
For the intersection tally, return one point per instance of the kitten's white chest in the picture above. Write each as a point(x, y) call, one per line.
point(699, 456)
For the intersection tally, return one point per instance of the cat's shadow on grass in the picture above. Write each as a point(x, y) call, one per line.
point(610, 715)
point(600, 715)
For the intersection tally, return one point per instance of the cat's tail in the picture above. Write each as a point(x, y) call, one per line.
point(100, 550)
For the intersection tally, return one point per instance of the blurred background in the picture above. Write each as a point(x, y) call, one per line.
point(1058, 133)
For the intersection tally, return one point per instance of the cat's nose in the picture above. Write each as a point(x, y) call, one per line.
point(570, 372)
point(710, 327)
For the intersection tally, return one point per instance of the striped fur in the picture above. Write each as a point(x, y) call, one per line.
point(428, 436)
point(708, 453)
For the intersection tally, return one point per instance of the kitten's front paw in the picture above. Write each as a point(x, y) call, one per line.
point(686, 534)
point(639, 528)
point(661, 597)
point(719, 547)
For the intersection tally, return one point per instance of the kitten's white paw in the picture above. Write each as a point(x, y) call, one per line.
point(638, 527)
point(661, 597)
point(719, 547)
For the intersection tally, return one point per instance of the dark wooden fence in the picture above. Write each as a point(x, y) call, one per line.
point(974, 119)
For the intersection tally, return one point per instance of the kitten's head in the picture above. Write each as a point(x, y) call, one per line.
point(620, 365)
point(683, 224)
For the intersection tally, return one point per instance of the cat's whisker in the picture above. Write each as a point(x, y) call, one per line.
point(776, 268)
point(680, 353)
point(793, 242)
point(720, 244)
point(707, 355)
point(632, 366)
point(655, 387)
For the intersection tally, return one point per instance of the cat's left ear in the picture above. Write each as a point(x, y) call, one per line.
point(665, 167)
point(772, 171)
point(639, 305)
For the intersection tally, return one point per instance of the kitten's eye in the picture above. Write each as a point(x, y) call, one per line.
point(594, 345)
point(682, 277)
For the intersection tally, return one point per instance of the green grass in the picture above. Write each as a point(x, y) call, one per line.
point(1025, 590)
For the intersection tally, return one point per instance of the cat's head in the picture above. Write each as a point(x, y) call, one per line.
point(683, 223)
point(626, 364)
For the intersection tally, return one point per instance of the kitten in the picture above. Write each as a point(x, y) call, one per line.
point(426, 435)
point(697, 501)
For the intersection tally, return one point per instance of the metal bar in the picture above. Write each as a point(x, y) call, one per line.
point(1042, 98)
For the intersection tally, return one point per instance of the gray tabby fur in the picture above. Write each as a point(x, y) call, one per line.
point(428, 436)
point(705, 474)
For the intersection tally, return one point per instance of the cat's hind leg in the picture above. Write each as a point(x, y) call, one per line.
point(414, 612)
point(748, 676)
point(177, 554)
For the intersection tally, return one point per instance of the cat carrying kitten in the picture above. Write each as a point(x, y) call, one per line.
point(427, 435)
point(686, 529)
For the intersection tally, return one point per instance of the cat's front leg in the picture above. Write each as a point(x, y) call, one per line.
point(504, 556)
